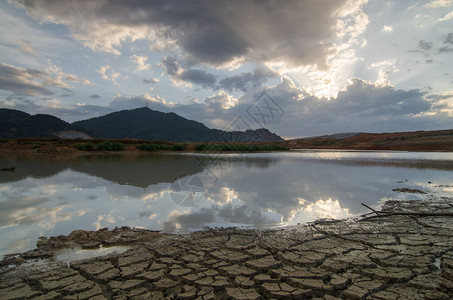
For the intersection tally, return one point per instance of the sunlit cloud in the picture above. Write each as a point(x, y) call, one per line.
point(226, 195)
point(141, 62)
point(320, 209)
point(439, 3)
point(153, 196)
point(108, 74)
point(223, 99)
point(447, 17)
point(104, 220)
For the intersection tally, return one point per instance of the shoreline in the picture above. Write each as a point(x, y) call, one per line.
point(410, 257)
point(67, 147)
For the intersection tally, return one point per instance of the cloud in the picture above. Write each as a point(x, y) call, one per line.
point(448, 39)
point(385, 68)
point(95, 96)
point(447, 17)
point(439, 3)
point(108, 74)
point(141, 62)
point(181, 76)
point(150, 81)
point(423, 45)
point(292, 32)
point(152, 101)
point(244, 81)
point(27, 49)
point(445, 49)
point(227, 213)
point(23, 81)
point(387, 28)
point(32, 82)
point(361, 106)
point(221, 99)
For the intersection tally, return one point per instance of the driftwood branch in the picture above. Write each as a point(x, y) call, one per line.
point(384, 213)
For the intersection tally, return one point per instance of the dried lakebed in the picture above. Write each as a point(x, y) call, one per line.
point(392, 257)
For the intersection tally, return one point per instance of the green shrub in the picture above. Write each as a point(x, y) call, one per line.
point(89, 147)
point(84, 147)
point(178, 147)
point(104, 146)
point(153, 147)
point(201, 147)
point(117, 146)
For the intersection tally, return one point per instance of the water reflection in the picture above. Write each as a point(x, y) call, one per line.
point(46, 196)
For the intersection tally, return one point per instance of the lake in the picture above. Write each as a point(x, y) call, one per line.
point(182, 192)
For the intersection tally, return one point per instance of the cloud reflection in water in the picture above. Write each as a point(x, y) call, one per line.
point(46, 197)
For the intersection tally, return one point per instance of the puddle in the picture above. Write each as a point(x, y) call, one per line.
point(68, 256)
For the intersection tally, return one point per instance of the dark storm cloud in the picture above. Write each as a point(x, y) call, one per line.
point(211, 32)
point(170, 65)
point(200, 77)
point(193, 76)
point(244, 81)
point(241, 82)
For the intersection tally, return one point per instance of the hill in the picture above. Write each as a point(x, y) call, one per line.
point(17, 124)
point(434, 140)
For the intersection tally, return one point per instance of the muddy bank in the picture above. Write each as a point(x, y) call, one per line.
point(392, 257)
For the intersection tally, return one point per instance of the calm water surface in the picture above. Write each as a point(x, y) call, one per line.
point(186, 192)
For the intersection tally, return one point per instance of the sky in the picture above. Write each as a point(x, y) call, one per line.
point(324, 66)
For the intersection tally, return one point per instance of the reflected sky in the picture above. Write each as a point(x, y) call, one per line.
point(183, 192)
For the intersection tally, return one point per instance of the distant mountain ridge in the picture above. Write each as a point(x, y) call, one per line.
point(17, 124)
point(140, 123)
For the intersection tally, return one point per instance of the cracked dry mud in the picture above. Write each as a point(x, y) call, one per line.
point(396, 257)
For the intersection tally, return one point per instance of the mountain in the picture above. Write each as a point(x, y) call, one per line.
point(17, 124)
point(147, 124)
point(140, 123)
point(258, 135)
